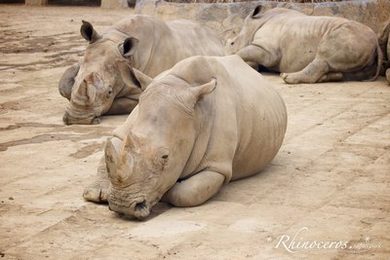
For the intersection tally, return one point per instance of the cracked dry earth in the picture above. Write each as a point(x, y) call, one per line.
point(331, 176)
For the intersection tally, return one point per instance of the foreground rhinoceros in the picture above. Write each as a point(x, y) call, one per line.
point(205, 122)
point(308, 49)
point(94, 87)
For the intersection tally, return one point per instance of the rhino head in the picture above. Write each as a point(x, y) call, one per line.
point(244, 38)
point(157, 147)
point(92, 86)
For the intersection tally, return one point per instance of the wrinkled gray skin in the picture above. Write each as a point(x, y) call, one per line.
point(308, 49)
point(205, 122)
point(95, 87)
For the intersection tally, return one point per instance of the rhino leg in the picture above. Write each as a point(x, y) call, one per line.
point(195, 190)
point(97, 191)
point(122, 106)
point(388, 75)
point(312, 73)
point(331, 76)
point(260, 56)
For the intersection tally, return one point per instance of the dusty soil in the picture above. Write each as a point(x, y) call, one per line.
point(331, 175)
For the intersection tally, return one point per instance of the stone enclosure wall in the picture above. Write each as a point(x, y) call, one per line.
point(226, 18)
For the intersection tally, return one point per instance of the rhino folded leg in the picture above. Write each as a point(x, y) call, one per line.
point(312, 73)
point(195, 190)
point(98, 190)
point(122, 106)
point(257, 55)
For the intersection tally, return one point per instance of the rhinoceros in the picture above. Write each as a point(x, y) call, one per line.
point(203, 123)
point(307, 49)
point(94, 86)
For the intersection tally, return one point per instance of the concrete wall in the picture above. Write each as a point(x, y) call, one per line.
point(226, 18)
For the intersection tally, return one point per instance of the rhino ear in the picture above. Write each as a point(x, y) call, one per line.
point(133, 77)
point(88, 32)
point(128, 47)
point(111, 157)
point(67, 81)
point(204, 89)
point(143, 79)
point(256, 11)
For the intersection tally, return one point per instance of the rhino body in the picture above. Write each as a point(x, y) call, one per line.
point(308, 49)
point(205, 122)
point(95, 86)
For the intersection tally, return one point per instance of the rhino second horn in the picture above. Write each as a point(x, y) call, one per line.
point(86, 92)
point(111, 157)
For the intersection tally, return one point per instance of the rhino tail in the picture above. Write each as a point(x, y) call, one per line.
point(379, 56)
point(383, 37)
point(368, 73)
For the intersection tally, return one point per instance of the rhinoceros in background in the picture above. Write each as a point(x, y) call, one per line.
point(94, 87)
point(203, 123)
point(308, 49)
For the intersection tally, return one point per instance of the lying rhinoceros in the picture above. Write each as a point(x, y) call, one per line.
point(308, 49)
point(205, 122)
point(94, 87)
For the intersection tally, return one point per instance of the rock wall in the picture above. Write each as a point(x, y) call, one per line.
point(227, 18)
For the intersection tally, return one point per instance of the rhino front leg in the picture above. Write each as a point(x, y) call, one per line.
point(257, 55)
point(195, 190)
point(312, 73)
point(122, 106)
point(97, 191)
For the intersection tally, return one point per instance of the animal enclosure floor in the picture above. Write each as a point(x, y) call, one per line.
point(329, 182)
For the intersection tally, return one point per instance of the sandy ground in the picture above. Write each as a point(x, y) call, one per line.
point(329, 182)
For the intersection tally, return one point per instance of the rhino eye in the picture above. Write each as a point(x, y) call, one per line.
point(109, 92)
point(165, 156)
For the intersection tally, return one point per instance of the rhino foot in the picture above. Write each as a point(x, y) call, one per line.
point(291, 78)
point(96, 192)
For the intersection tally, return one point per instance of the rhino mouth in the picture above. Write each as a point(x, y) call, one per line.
point(69, 120)
point(138, 209)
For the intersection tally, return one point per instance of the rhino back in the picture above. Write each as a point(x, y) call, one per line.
point(193, 39)
point(261, 117)
point(244, 121)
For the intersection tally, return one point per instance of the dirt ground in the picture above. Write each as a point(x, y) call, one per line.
point(329, 182)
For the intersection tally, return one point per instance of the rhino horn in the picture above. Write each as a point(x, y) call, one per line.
point(86, 91)
point(111, 157)
point(67, 81)
point(88, 32)
point(115, 157)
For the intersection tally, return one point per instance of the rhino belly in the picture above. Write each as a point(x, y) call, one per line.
point(260, 144)
point(296, 54)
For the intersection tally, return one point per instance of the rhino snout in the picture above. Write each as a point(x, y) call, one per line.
point(139, 210)
point(69, 120)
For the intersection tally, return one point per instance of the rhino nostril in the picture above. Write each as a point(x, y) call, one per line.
point(140, 205)
point(232, 43)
